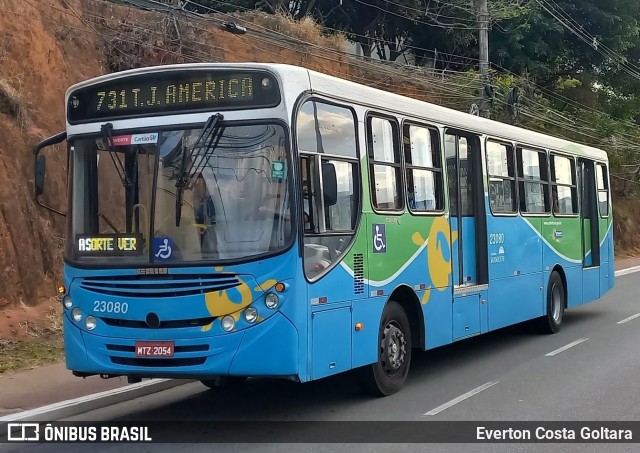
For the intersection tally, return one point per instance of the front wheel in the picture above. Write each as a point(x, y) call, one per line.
point(556, 302)
point(389, 373)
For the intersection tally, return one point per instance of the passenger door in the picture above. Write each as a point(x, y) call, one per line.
point(590, 231)
point(467, 220)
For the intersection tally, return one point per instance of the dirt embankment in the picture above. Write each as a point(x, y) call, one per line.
point(38, 60)
point(47, 45)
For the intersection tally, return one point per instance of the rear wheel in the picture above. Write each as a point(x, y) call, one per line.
point(224, 381)
point(389, 373)
point(556, 302)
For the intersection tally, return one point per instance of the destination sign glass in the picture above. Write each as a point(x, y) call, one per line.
point(168, 92)
point(109, 244)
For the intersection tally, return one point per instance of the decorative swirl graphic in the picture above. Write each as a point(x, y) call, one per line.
point(438, 254)
point(220, 303)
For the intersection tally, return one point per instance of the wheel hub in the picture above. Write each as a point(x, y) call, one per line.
point(393, 348)
point(556, 308)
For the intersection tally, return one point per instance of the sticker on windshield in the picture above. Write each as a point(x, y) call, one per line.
point(163, 248)
point(138, 139)
point(130, 139)
point(277, 169)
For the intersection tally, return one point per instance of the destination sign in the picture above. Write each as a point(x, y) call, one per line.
point(109, 245)
point(167, 92)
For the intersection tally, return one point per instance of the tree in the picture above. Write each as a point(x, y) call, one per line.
point(569, 37)
point(380, 25)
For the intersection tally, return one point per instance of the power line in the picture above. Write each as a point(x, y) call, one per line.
point(453, 26)
point(443, 86)
point(589, 39)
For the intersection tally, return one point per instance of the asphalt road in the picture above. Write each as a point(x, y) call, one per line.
point(508, 375)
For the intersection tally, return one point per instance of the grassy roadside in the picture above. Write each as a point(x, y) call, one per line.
point(40, 343)
point(27, 354)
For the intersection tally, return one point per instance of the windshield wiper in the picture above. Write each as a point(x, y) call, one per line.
point(127, 172)
point(207, 141)
point(107, 138)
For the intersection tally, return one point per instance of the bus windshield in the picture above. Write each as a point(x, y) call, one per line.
point(152, 197)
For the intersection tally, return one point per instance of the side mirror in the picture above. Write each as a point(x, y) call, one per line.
point(40, 166)
point(40, 169)
point(329, 184)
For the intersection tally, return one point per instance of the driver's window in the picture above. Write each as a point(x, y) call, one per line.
point(329, 182)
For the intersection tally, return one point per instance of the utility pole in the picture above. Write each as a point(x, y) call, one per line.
point(483, 21)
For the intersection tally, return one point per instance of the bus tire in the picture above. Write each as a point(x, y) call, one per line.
point(224, 381)
point(389, 373)
point(556, 302)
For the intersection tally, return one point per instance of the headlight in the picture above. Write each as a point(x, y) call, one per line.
point(76, 314)
point(90, 322)
point(251, 315)
point(228, 323)
point(272, 301)
point(68, 303)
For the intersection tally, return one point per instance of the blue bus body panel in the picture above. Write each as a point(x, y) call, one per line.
point(367, 312)
point(466, 315)
point(271, 350)
point(438, 316)
point(515, 273)
point(591, 284)
point(607, 268)
point(331, 341)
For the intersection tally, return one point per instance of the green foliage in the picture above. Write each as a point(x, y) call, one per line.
point(566, 83)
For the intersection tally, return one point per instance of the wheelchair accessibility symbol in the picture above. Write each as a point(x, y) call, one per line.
point(162, 248)
point(379, 238)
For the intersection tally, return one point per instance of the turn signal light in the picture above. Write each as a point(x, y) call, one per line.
point(280, 287)
point(61, 289)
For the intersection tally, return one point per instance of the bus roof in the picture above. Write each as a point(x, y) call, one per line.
point(355, 93)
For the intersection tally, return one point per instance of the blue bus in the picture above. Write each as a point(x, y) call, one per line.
point(228, 221)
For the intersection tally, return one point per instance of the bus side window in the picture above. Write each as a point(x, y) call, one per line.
point(502, 178)
point(384, 163)
point(425, 190)
point(564, 190)
point(326, 139)
point(534, 181)
point(602, 183)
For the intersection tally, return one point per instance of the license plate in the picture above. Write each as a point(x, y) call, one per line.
point(154, 348)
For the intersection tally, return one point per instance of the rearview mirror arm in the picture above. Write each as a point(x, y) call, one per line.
point(53, 140)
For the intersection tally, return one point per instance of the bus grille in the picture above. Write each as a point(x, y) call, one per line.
point(172, 324)
point(158, 286)
point(156, 363)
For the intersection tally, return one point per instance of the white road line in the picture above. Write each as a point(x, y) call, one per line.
point(564, 348)
point(629, 270)
point(86, 403)
point(629, 318)
point(455, 401)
